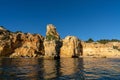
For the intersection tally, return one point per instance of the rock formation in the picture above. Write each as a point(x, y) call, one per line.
point(18, 44)
point(71, 47)
point(27, 45)
point(51, 33)
point(52, 42)
point(110, 49)
point(5, 42)
point(52, 49)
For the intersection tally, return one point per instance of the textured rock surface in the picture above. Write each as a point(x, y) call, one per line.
point(52, 42)
point(5, 42)
point(111, 49)
point(28, 45)
point(51, 33)
point(52, 48)
point(71, 47)
point(20, 44)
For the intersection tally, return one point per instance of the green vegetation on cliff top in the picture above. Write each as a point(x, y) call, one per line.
point(102, 41)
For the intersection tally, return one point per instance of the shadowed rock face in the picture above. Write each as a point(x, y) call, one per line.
point(71, 47)
point(5, 42)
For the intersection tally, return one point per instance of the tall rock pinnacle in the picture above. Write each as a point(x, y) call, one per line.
point(51, 33)
point(52, 42)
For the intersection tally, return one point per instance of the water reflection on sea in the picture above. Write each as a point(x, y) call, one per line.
point(63, 69)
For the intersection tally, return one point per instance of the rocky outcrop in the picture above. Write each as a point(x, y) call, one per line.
point(27, 45)
point(52, 49)
point(52, 43)
point(5, 42)
point(51, 33)
point(110, 49)
point(34, 45)
point(71, 47)
point(20, 44)
point(55, 47)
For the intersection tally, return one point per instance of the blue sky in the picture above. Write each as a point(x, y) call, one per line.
point(97, 19)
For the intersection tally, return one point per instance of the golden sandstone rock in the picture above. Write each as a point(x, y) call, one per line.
point(28, 45)
point(71, 47)
point(52, 49)
point(110, 49)
point(52, 42)
point(18, 44)
point(51, 33)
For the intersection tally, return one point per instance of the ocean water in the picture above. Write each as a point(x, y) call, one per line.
point(63, 69)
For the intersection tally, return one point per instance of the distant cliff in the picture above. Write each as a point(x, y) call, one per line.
point(95, 49)
point(18, 44)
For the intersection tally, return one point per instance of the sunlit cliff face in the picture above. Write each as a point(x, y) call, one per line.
point(51, 31)
point(110, 49)
point(18, 44)
point(71, 46)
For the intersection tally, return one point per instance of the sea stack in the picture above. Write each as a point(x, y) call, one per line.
point(52, 42)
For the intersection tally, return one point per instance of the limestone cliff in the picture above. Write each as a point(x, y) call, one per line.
point(18, 44)
point(110, 49)
point(27, 45)
point(52, 42)
point(52, 49)
point(71, 47)
point(5, 42)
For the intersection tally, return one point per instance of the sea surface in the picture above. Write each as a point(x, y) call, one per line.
point(63, 69)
